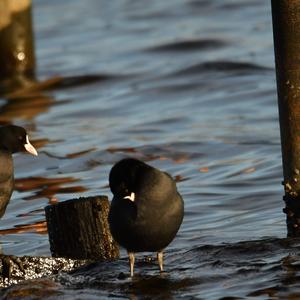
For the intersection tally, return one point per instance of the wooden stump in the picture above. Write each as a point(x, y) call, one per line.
point(17, 57)
point(78, 229)
point(286, 31)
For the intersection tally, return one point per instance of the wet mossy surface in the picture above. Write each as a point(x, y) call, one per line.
point(37, 267)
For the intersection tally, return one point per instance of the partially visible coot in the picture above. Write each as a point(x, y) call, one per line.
point(146, 211)
point(12, 139)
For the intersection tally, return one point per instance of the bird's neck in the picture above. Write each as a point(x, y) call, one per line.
point(6, 164)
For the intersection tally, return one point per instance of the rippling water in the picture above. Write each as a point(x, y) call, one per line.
point(189, 87)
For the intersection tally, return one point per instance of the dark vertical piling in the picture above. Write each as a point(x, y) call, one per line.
point(78, 229)
point(286, 31)
point(16, 39)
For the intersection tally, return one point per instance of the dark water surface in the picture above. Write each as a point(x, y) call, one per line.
point(189, 87)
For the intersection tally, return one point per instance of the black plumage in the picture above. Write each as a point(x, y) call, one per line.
point(146, 211)
point(12, 139)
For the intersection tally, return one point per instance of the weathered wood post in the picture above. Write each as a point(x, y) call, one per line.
point(16, 39)
point(286, 31)
point(78, 229)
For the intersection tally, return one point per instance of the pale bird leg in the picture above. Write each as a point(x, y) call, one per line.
point(131, 262)
point(160, 259)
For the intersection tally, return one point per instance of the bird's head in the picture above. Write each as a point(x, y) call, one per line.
point(124, 178)
point(15, 139)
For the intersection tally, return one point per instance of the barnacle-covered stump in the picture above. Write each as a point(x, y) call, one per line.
point(286, 31)
point(78, 229)
point(292, 211)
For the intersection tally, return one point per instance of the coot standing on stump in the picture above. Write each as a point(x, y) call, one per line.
point(12, 139)
point(146, 210)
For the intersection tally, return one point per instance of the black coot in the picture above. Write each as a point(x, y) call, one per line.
point(146, 211)
point(12, 139)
